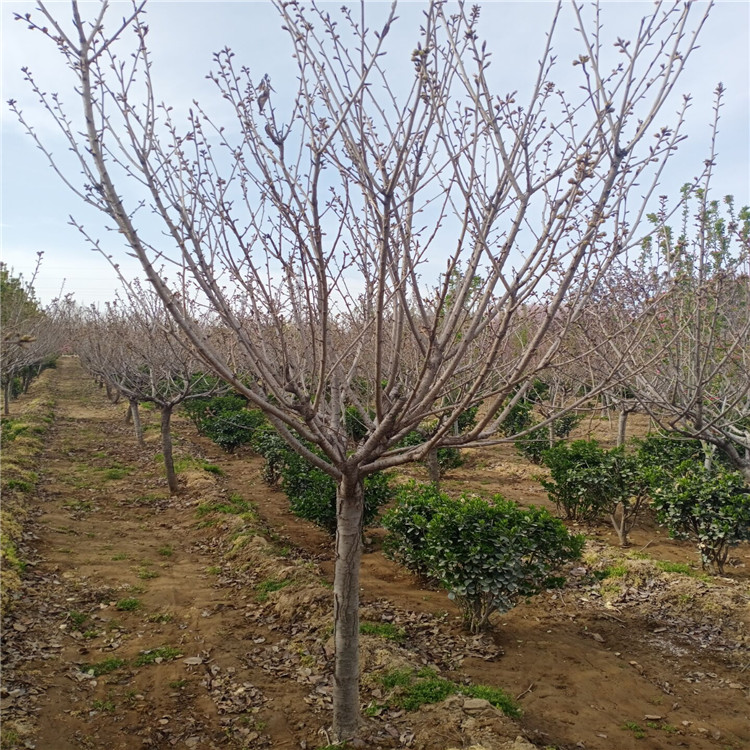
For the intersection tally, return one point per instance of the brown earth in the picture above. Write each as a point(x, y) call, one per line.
point(238, 601)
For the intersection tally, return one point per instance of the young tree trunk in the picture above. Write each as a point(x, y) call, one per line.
point(350, 506)
point(620, 524)
point(622, 426)
point(6, 397)
point(134, 416)
point(166, 446)
point(433, 467)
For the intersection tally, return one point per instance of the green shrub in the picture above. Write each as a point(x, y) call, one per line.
point(355, 424)
point(408, 523)
point(533, 445)
point(487, 554)
point(269, 444)
point(710, 507)
point(585, 479)
point(225, 419)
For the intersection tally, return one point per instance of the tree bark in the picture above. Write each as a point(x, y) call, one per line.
point(433, 467)
point(622, 426)
point(166, 445)
point(349, 505)
point(134, 416)
point(6, 397)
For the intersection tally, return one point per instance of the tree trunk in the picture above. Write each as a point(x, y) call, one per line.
point(620, 524)
point(134, 416)
point(622, 426)
point(6, 397)
point(349, 507)
point(433, 467)
point(166, 446)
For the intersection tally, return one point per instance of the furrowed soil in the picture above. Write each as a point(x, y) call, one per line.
point(203, 620)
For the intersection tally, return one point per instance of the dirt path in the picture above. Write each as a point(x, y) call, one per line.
point(157, 622)
point(124, 586)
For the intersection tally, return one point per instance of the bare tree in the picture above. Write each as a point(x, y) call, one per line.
point(312, 225)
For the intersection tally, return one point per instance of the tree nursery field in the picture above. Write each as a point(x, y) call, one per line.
point(202, 619)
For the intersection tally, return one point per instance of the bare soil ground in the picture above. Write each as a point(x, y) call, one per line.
point(204, 620)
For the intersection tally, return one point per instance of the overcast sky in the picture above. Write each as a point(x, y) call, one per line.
point(36, 206)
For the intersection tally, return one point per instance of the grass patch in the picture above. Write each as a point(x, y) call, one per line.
point(19, 485)
point(672, 567)
point(213, 570)
point(157, 655)
point(128, 605)
point(496, 696)
point(166, 551)
point(264, 588)
point(234, 505)
point(186, 463)
point(386, 630)
point(103, 667)
point(413, 689)
point(613, 571)
point(636, 729)
point(77, 618)
point(115, 473)
point(177, 684)
point(106, 705)
point(119, 556)
point(145, 573)
point(161, 617)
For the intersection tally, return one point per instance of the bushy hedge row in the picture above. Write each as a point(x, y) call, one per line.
point(488, 554)
point(225, 419)
point(708, 504)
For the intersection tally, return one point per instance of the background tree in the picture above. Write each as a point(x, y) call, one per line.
point(312, 224)
point(31, 335)
point(679, 320)
point(138, 351)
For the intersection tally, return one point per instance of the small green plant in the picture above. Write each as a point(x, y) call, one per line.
point(213, 570)
point(103, 667)
point(161, 617)
point(103, 705)
point(19, 485)
point(411, 689)
point(157, 655)
point(128, 605)
point(496, 697)
point(177, 684)
point(673, 567)
point(166, 551)
point(264, 588)
point(425, 691)
point(386, 630)
point(636, 729)
point(145, 573)
point(77, 618)
point(119, 556)
point(234, 505)
point(116, 473)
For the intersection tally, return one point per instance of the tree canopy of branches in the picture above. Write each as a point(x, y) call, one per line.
point(314, 224)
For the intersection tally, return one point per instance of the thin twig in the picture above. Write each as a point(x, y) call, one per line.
point(528, 690)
